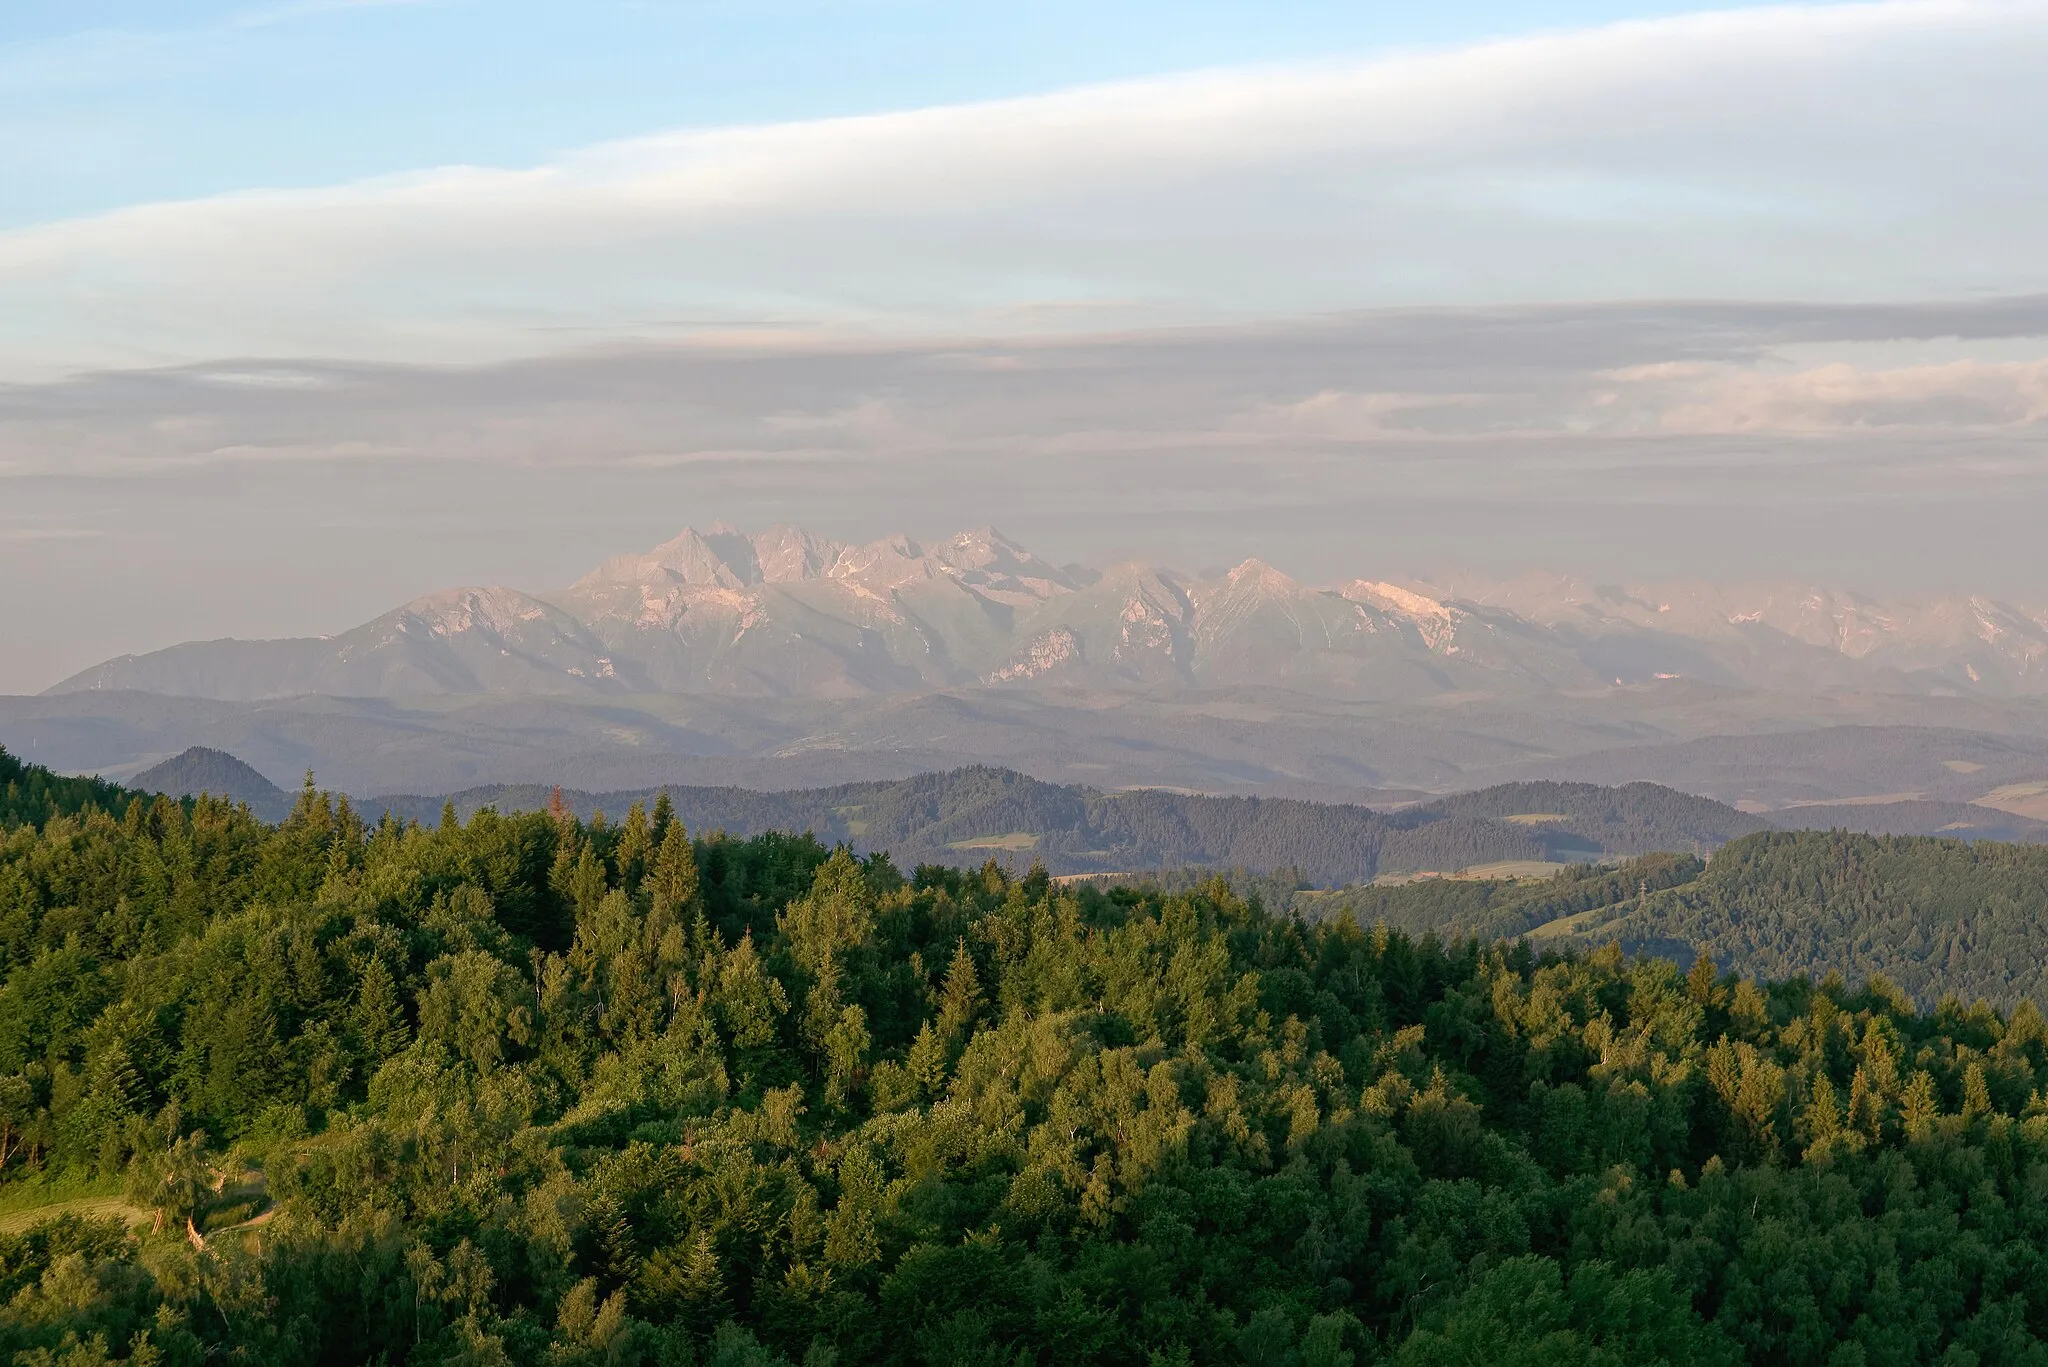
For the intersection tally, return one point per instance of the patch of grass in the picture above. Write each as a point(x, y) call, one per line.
point(1537, 818)
point(1565, 925)
point(29, 1204)
point(1506, 870)
point(31, 1193)
point(1015, 840)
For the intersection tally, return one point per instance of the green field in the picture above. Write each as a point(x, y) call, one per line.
point(1015, 840)
point(1503, 869)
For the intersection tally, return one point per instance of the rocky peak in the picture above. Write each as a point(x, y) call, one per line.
point(787, 555)
point(498, 610)
point(1395, 600)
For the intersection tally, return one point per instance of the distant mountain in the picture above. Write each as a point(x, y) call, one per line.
point(786, 613)
point(202, 770)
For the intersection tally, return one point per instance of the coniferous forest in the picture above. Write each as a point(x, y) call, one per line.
point(525, 1089)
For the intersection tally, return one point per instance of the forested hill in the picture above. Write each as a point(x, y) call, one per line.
point(203, 770)
point(967, 816)
point(30, 794)
point(531, 1092)
point(1937, 918)
point(1635, 818)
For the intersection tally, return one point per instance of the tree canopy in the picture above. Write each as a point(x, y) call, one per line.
point(532, 1090)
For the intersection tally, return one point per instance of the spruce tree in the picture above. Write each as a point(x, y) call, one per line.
point(378, 1019)
point(674, 878)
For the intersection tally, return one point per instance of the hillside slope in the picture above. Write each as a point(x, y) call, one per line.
point(531, 1093)
point(31, 795)
point(1937, 917)
point(968, 816)
point(1634, 818)
point(203, 770)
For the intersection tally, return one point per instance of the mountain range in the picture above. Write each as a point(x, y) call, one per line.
point(786, 613)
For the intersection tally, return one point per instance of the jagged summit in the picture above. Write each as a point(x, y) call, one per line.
point(786, 612)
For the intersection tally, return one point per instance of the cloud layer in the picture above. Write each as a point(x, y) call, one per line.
point(1848, 153)
point(1878, 446)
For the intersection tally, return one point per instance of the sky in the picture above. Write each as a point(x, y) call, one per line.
point(310, 307)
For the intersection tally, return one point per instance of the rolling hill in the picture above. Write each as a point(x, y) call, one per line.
point(202, 770)
point(967, 816)
point(1937, 918)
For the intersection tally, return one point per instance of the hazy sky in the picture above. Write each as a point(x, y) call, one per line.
point(309, 307)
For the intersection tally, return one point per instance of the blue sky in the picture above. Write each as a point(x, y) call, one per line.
point(111, 102)
point(440, 181)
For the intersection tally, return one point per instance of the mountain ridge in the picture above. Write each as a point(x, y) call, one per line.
point(788, 613)
point(969, 815)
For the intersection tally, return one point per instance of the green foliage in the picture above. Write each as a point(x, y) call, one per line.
point(1500, 908)
point(30, 794)
point(533, 1090)
point(1940, 918)
point(1935, 919)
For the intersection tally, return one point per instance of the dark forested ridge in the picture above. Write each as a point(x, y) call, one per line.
point(1492, 909)
point(1938, 918)
point(1635, 818)
point(965, 816)
point(203, 770)
point(526, 1089)
point(30, 794)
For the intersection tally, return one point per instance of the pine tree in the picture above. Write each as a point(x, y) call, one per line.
point(1919, 1106)
point(927, 1061)
point(612, 1254)
point(1823, 1116)
point(581, 885)
point(674, 879)
point(702, 1284)
point(630, 857)
point(1703, 983)
point(822, 1005)
point(960, 998)
point(749, 1001)
point(836, 915)
point(1976, 1092)
point(378, 1019)
point(846, 1055)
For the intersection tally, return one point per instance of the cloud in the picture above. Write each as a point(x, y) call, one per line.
point(1965, 395)
point(1523, 391)
point(1856, 152)
point(1384, 443)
